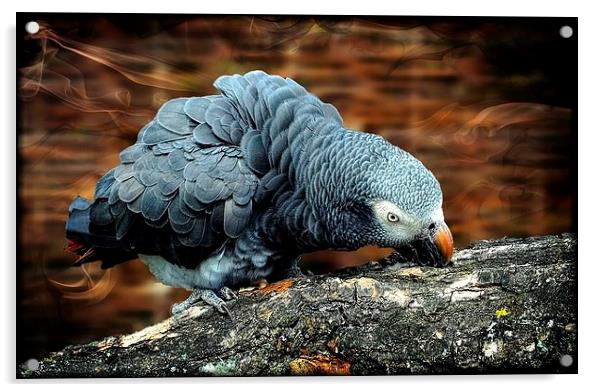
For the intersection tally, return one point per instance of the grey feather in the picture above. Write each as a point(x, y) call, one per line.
point(254, 152)
point(183, 228)
point(210, 196)
point(282, 197)
point(285, 163)
point(114, 193)
point(130, 190)
point(169, 183)
point(192, 171)
point(148, 177)
point(176, 216)
point(217, 218)
point(117, 208)
point(205, 182)
point(331, 112)
point(196, 108)
point(172, 117)
point(203, 134)
point(132, 153)
point(278, 147)
point(278, 97)
point(189, 198)
point(195, 236)
point(261, 191)
point(236, 218)
point(79, 203)
point(227, 164)
point(135, 205)
point(103, 186)
point(154, 206)
point(164, 147)
point(218, 111)
point(177, 160)
point(276, 182)
point(244, 194)
point(123, 224)
point(154, 133)
point(124, 171)
point(100, 213)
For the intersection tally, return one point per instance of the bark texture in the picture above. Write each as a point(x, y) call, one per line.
point(506, 305)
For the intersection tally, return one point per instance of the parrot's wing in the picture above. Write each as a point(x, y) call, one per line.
point(196, 167)
point(175, 178)
point(263, 114)
point(271, 110)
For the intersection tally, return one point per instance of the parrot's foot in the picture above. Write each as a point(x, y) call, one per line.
point(209, 297)
point(193, 298)
point(227, 293)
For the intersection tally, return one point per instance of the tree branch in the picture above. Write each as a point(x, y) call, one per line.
point(506, 305)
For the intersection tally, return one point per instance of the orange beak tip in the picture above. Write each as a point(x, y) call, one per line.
point(445, 243)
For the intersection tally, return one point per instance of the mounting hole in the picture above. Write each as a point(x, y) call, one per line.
point(566, 31)
point(566, 360)
point(32, 27)
point(32, 364)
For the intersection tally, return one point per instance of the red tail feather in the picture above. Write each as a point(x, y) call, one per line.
point(75, 247)
point(85, 252)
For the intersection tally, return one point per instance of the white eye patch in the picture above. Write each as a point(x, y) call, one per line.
point(438, 215)
point(388, 212)
point(396, 222)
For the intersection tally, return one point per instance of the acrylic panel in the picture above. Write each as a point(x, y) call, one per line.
point(311, 195)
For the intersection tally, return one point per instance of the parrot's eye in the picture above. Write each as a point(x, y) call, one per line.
point(391, 217)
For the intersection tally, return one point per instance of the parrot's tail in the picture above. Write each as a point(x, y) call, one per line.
point(92, 246)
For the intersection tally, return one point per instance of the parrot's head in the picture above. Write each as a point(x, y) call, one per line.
point(389, 199)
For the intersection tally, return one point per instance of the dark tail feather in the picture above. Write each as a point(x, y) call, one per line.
point(78, 231)
point(79, 218)
point(90, 246)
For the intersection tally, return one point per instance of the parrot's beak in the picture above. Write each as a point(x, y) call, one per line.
point(445, 243)
point(434, 250)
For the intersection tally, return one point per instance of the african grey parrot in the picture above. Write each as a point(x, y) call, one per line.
point(225, 190)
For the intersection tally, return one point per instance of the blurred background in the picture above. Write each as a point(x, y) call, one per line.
point(488, 104)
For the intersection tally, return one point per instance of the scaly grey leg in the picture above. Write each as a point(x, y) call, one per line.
point(208, 296)
point(193, 298)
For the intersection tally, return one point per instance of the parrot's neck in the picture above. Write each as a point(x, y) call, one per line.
point(324, 156)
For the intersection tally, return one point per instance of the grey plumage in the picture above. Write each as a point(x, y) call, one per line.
point(256, 175)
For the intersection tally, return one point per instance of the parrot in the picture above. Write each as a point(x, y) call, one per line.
point(222, 191)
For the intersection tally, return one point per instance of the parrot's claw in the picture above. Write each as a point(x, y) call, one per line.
point(227, 293)
point(216, 302)
point(208, 296)
point(223, 309)
point(193, 298)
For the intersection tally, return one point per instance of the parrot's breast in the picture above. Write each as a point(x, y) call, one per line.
point(220, 269)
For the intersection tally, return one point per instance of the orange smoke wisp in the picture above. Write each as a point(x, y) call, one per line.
point(86, 289)
point(161, 74)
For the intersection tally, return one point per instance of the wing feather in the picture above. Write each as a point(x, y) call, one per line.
point(130, 189)
point(236, 218)
point(154, 205)
point(203, 164)
point(172, 117)
point(154, 133)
